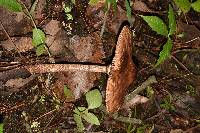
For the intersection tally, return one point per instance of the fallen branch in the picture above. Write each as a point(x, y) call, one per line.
point(150, 80)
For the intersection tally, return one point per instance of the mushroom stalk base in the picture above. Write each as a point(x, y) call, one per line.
point(45, 68)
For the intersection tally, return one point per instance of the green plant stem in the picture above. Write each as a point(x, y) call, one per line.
point(33, 22)
point(30, 16)
point(104, 20)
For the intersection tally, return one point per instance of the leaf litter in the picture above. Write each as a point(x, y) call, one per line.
point(42, 99)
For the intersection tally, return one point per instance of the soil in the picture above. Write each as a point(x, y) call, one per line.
point(32, 103)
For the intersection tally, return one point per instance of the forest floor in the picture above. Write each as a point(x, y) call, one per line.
point(37, 102)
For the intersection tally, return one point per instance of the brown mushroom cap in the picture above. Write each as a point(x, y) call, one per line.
point(122, 72)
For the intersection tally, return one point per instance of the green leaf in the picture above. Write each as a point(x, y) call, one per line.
point(165, 53)
point(91, 118)
point(81, 109)
point(69, 17)
point(67, 8)
point(184, 5)
point(128, 9)
point(40, 50)
point(181, 35)
point(172, 21)
point(1, 128)
point(114, 4)
point(79, 123)
point(93, 2)
point(38, 41)
point(73, 1)
point(167, 103)
point(196, 5)
point(94, 99)
point(67, 92)
point(77, 111)
point(11, 5)
point(111, 2)
point(38, 37)
point(156, 24)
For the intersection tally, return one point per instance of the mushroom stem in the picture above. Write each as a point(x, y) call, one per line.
point(44, 68)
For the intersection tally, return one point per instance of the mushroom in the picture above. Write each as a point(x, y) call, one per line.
point(121, 73)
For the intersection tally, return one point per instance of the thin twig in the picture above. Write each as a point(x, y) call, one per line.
point(128, 120)
point(180, 63)
point(185, 50)
point(164, 79)
point(10, 40)
point(58, 112)
point(192, 40)
point(44, 115)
